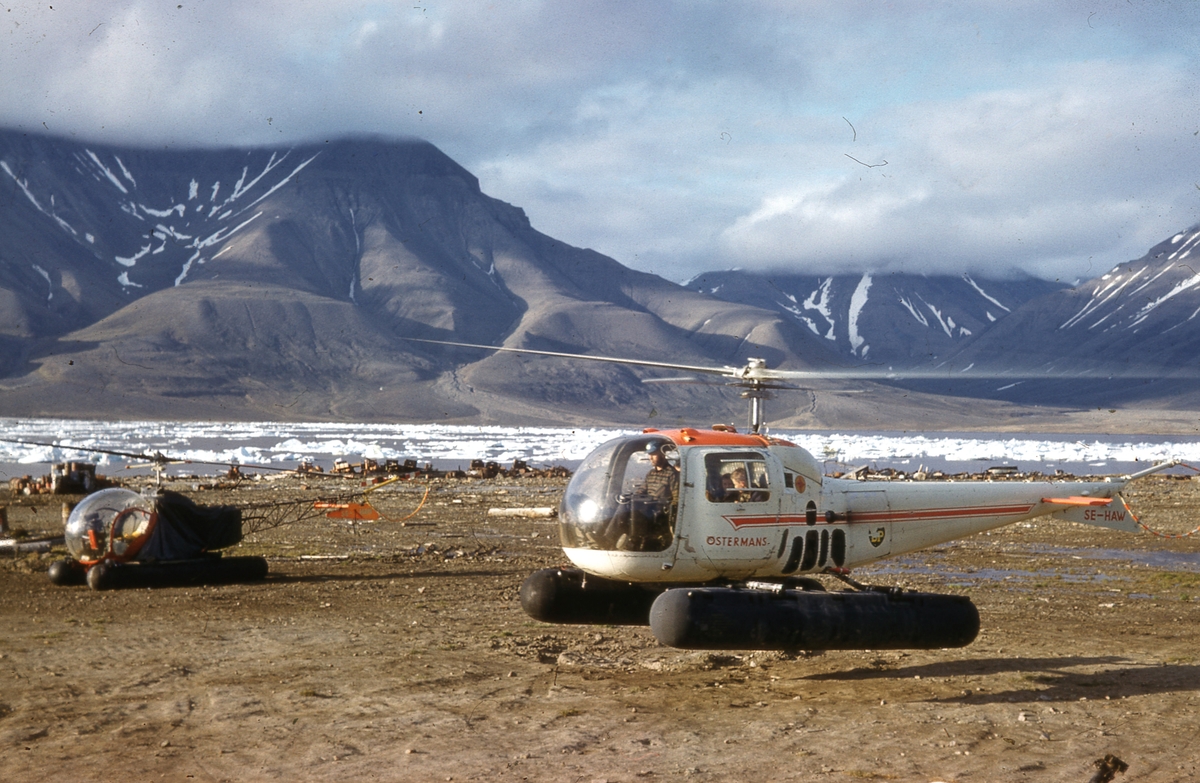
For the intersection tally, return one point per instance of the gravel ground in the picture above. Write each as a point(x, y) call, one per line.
point(397, 650)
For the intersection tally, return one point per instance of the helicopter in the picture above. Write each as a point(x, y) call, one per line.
point(713, 537)
point(118, 538)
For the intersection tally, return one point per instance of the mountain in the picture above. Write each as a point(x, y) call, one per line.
point(1131, 335)
point(894, 320)
point(284, 283)
point(1140, 317)
point(281, 283)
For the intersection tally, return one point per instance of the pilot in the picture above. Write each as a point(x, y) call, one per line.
point(662, 482)
point(652, 505)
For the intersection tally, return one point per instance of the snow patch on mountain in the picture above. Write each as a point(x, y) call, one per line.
point(819, 300)
point(23, 184)
point(175, 229)
point(947, 324)
point(1178, 289)
point(985, 294)
point(279, 184)
point(895, 317)
point(107, 172)
point(162, 213)
point(49, 282)
point(858, 300)
point(125, 171)
point(916, 314)
point(1152, 279)
point(1103, 293)
point(1135, 295)
point(133, 259)
point(1186, 248)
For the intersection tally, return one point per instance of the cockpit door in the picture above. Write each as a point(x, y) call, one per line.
point(733, 503)
point(624, 499)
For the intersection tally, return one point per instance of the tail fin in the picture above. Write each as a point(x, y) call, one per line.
point(1112, 512)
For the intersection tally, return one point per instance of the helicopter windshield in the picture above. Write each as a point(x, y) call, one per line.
point(623, 497)
point(109, 523)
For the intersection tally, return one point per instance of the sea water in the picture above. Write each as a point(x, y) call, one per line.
point(279, 444)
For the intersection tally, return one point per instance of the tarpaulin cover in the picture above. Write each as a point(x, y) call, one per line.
point(186, 530)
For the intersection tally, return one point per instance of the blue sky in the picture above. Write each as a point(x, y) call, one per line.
point(987, 137)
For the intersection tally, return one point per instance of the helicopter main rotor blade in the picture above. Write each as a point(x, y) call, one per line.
point(684, 380)
point(154, 459)
point(148, 457)
point(726, 371)
point(755, 372)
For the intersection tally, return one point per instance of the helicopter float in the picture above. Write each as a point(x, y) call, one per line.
point(713, 537)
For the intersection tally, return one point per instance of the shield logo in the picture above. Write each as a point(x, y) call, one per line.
point(876, 536)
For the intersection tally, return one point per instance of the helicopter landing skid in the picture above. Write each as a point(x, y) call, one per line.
point(843, 575)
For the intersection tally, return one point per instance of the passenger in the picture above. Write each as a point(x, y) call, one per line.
point(720, 486)
point(742, 484)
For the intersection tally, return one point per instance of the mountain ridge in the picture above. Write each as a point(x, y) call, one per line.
point(282, 283)
point(897, 320)
point(305, 290)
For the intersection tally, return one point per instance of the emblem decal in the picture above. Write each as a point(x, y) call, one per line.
point(876, 537)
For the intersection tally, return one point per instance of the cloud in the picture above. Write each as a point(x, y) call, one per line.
point(1048, 179)
point(683, 136)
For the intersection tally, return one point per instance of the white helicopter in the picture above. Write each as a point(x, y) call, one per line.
point(712, 536)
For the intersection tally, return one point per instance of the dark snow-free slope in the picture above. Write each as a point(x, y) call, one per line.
point(281, 283)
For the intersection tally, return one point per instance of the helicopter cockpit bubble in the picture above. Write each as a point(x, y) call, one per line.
point(623, 497)
point(111, 523)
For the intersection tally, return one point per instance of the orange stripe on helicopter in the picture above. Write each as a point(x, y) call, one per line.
point(884, 516)
point(1076, 500)
point(689, 436)
point(906, 515)
point(773, 519)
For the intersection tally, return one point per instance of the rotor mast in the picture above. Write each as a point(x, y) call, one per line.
point(756, 391)
point(757, 395)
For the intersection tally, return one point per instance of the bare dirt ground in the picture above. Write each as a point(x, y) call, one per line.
point(400, 652)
